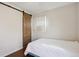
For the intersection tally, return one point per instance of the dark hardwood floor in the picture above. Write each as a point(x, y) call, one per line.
point(19, 53)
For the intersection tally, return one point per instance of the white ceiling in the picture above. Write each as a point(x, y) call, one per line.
point(37, 7)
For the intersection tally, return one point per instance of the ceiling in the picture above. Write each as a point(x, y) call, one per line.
point(37, 7)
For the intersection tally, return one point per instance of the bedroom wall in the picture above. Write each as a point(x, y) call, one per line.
point(59, 23)
point(10, 30)
point(78, 19)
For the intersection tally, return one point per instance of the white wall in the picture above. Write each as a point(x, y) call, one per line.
point(61, 23)
point(78, 21)
point(10, 30)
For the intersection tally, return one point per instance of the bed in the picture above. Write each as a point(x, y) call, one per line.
point(52, 48)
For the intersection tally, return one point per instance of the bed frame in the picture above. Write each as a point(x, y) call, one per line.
point(31, 55)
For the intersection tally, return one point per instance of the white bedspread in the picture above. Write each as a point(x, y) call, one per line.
point(53, 48)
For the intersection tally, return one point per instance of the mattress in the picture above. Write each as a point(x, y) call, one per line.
point(53, 48)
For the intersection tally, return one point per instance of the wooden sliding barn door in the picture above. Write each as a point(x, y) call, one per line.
point(26, 29)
